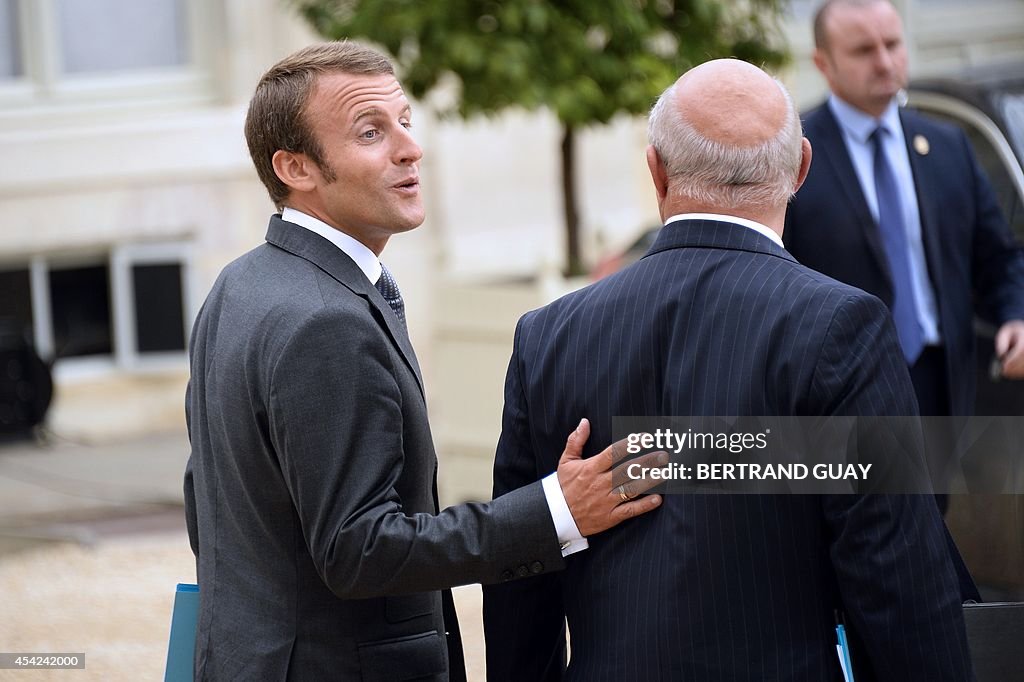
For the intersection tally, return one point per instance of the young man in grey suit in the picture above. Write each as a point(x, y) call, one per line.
point(311, 495)
point(719, 320)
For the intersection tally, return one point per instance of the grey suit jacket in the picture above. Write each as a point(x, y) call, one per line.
point(311, 489)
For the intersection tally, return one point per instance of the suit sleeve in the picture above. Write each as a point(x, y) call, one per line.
point(998, 261)
point(524, 621)
point(889, 552)
point(337, 426)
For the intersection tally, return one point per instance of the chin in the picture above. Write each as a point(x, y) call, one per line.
point(409, 222)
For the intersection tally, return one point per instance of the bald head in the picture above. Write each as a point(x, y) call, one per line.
point(726, 138)
point(731, 102)
point(822, 24)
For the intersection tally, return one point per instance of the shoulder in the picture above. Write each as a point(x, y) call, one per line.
point(274, 275)
point(811, 291)
point(539, 319)
point(545, 322)
point(928, 123)
point(942, 134)
point(816, 119)
point(948, 149)
point(275, 297)
point(815, 113)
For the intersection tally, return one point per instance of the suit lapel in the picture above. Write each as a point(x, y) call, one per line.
point(332, 260)
point(926, 190)
point(830, 145)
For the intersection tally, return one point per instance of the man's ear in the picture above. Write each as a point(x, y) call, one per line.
point(295, 170)
point(658, 173)
point(820, 60)
point(805, 163)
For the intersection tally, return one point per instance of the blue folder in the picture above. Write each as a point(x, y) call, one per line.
point(181, 645)
point(843, 649)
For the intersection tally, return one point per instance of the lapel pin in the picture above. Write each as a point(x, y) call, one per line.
point(921, 145)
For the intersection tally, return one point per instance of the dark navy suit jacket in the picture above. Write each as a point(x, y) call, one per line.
point(970, 251)
point(718, 320)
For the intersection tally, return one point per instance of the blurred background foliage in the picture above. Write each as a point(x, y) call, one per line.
point(584, 60)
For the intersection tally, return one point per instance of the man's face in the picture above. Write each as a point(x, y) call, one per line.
point(865, 58)
point(362, 123)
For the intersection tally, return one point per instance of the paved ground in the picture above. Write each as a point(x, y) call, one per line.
point(64, 479)
point(92, 543)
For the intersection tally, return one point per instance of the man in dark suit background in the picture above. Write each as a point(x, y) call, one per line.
point(904, 213)
point(718, 319)
point(311, 495)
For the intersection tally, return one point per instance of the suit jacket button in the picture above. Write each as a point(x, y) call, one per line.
point(536, 567)
point(506, 575)
point(522, 571)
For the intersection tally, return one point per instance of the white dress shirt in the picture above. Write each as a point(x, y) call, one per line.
point(721, 217)
point(569, 536)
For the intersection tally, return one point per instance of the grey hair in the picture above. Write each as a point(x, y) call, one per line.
point(714, 174)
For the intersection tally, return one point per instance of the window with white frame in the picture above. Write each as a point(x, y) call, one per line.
point(61, 50)
point(10, 48)
point(97, 36)
point(129, 307)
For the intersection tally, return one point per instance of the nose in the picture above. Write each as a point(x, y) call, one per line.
point(407, 150)
point(883, 59)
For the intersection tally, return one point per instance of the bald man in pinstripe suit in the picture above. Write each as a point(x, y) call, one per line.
point(718, 319)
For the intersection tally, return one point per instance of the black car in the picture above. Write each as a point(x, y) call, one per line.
point(989, 106)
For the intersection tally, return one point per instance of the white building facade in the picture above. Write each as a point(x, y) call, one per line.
point(125, 186)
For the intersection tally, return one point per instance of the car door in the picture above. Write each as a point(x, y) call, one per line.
point(996, 396)
point(989, 529)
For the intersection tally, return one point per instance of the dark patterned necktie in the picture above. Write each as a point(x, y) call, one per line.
point(897, 252)
point(388, 288)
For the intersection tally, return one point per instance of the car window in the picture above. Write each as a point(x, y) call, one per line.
point(1011, 105)
point(995, 168)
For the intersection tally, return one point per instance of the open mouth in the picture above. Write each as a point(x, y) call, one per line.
point(410, 185)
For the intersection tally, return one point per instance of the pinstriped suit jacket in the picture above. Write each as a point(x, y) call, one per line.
point(718, 320)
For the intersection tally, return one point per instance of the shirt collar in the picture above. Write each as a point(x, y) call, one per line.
point(755, 226)
point(857, 125)
point(354, 249)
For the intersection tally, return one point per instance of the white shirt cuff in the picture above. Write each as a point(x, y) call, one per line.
point(569, 536)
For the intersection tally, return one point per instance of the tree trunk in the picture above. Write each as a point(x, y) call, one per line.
point(573, 258)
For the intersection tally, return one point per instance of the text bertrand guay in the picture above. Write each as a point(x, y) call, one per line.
point(730, 471)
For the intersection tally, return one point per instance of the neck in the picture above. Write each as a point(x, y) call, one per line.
point(872, 109)
point(318, 212)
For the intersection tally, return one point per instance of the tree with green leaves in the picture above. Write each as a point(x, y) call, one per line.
point(585, 60)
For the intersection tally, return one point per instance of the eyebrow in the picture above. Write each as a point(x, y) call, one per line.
point(377, 111)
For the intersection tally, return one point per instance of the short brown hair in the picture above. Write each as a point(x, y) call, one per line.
point(820, 16)
point(276, 118)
